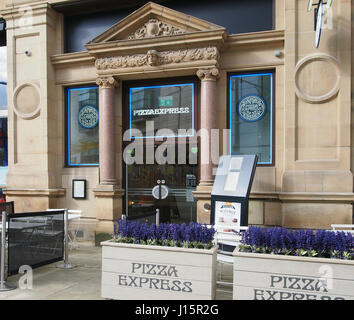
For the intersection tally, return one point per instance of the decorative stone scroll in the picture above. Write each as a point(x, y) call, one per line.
point(155, 58)
point(106, 82)
point(208, 74)
point(155, 28)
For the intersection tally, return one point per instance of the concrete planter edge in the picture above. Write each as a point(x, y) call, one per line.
point(143, 272)
point(259, 276)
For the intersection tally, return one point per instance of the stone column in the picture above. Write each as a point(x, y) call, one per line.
point(108, 194)
point(107, 130)
point(208, 115)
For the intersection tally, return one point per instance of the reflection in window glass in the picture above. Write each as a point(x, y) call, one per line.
point(169, 106)
point(3, 142)
point(3, 96)
point(82, 126)
point(251, 113)
point(3, 78)
point(3, 119)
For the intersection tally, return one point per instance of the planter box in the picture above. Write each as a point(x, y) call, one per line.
point(277, 277)
point(141, 272)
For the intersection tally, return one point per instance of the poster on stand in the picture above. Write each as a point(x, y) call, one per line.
point(227, 216)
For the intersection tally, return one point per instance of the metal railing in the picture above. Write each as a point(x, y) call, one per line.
point(36, 224)
point(3, 285)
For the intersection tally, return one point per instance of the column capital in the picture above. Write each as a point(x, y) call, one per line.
point(107, 82)
point(208, 74)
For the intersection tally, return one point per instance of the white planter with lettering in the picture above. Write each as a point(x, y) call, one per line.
point(142, 272)
point(277, 277)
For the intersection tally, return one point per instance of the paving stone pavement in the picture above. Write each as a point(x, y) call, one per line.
point(83, 282)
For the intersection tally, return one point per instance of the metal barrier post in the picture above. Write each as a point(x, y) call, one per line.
point(157, 217)
point(66, 264)
point(3, 285)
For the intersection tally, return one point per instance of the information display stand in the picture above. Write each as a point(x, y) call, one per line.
point(230, 193)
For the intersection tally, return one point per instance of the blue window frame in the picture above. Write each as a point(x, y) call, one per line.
point(251, 115)
point(82, 126)
point(169, 106)
point(3, 114)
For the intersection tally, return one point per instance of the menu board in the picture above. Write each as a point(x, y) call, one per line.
point(227, 215)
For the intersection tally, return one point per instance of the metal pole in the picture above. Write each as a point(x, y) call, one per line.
point(66, 264)
point(157, 217)
point(3, 285)
point(126, 191)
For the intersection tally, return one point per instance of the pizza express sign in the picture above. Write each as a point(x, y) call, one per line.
point(154, 276)
point(251, 108)
point(288, 287)
point(170, 106)
point(88, 117)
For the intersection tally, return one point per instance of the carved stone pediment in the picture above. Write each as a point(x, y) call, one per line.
point(153, 20)
point(155, 28)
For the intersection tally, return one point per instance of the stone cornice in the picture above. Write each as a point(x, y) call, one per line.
point(37, 8)
point(35, 192)
point(108, 192)
point(329, 197)
point(187, 40)
point(72, 58)
point(316, 197)
point(130, 46)
point(36, 15)
point(255, 38)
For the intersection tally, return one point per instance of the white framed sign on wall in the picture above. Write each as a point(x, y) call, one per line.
point(79, 188)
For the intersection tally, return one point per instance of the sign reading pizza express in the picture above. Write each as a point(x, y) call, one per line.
point(251, 108)
point(291, 287)
point(88, 117)
point(154, 276)
point(168, 106)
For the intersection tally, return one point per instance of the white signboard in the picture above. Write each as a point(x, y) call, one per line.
point(79, 189)
point(227, 215)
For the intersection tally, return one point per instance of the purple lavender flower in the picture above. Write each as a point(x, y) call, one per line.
point(278, 240)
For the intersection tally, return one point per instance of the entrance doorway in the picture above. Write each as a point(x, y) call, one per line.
point(160, 149)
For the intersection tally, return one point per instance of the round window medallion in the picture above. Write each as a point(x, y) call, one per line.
point(251, 108)
point(88, 117)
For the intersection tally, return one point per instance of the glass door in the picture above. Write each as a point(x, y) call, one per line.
point(160, 119)
point(180, 179)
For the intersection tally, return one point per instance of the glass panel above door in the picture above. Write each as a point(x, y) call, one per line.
point(170, 107)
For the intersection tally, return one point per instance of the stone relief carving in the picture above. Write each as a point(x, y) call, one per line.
point(155, 28)
point(155, 58)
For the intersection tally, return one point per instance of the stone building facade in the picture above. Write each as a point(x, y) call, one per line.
point(307, 184)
